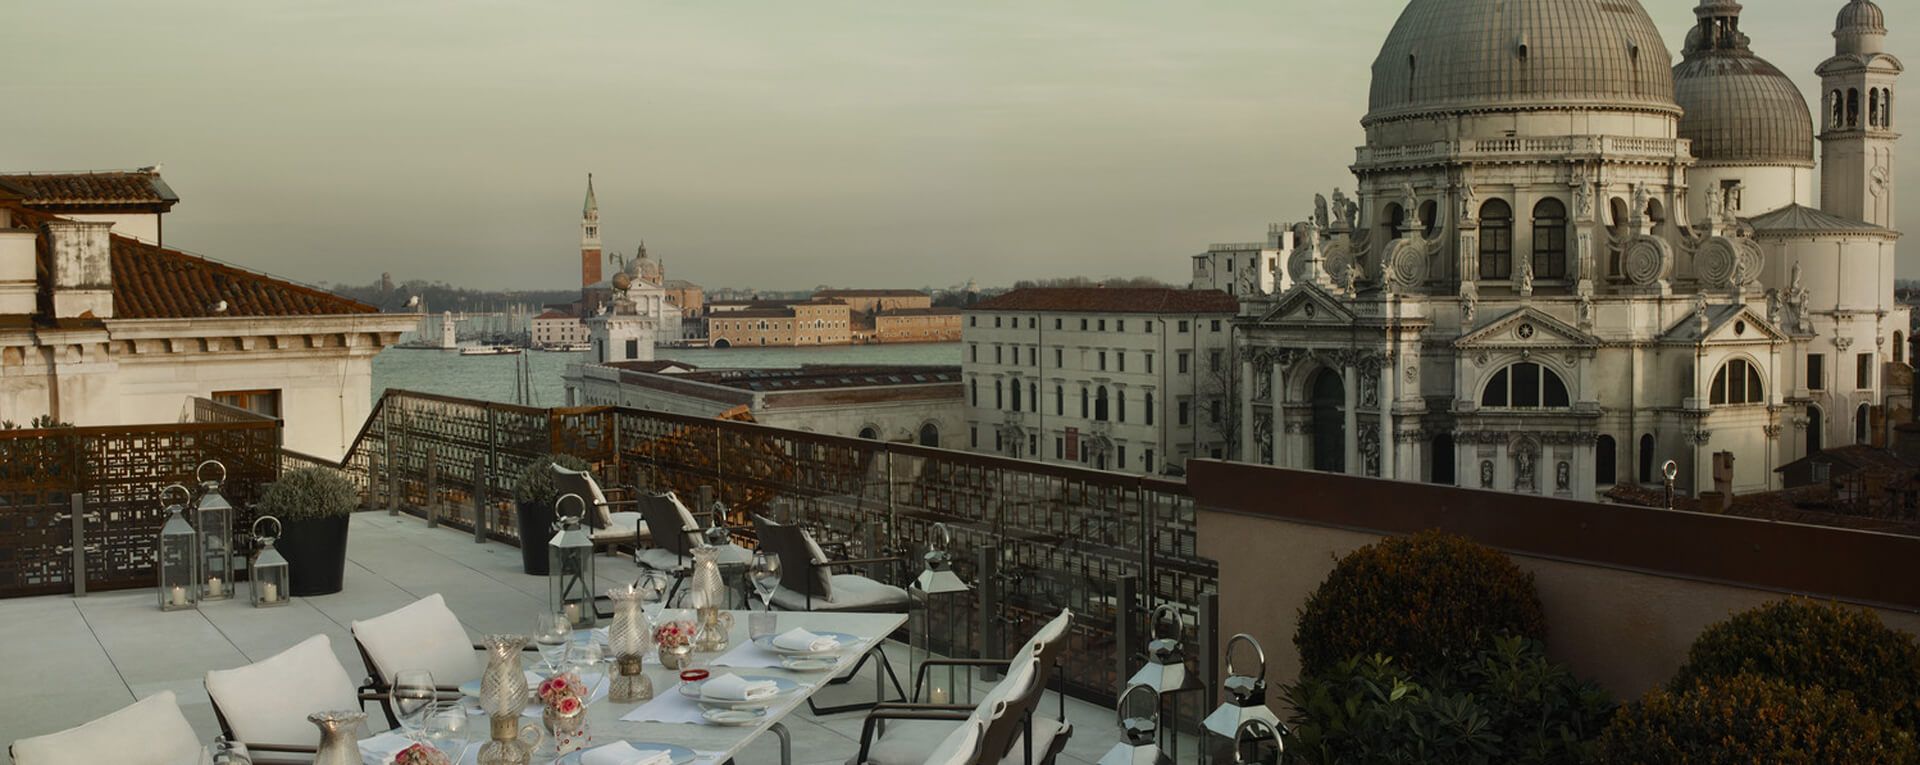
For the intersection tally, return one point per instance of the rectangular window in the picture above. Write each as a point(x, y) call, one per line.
point(1056, 323)
point(975, 350)
point(1083, 325)
point(996, 322)
point(999, 444)
point(1149, 407)
point(1183, 326)
point(1149, 324)
point(1120, 405)
point(1033, 444)
point(1863, 371)
point(1148, 459)
point(1213, 361)
point(1059, 448)
point(1103, 325)
point(1103, 361)
point(1182, 357)
point(1149, 363)
point(996, 355)
point(1120, 358)
point(1030, 322)
point(1085, 402)
point(1216, 325)
point(1186, 412)
point(261, 402)
point(1213, 411)
point(633, 349)
point(1816, 371)
point(1059, 358)
point(1120, 458)
point(973, 321)
point(973, 431)
point(1059, 400)
point(1119, 325)
point(1730, 188)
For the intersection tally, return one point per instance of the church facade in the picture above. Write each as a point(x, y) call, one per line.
point(1570, 261)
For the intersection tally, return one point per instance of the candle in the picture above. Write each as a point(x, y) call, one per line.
point(939, 695)
point(213, 587)
point(269, 593)
point(573, 613)
point(179, 595)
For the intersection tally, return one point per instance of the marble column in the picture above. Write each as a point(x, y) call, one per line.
point(1277, 395)
point(1246, 411)
point(1387, 443)
point(1350, 377)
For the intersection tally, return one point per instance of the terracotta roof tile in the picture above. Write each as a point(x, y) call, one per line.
point(868, 293)
point(1156, 300)
point(110, 188)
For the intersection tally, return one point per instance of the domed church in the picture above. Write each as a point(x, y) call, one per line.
point(1568, 260)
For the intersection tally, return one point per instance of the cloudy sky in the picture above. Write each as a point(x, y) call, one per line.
point(770, 143)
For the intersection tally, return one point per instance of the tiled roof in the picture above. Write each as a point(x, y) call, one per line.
point(1155, 300)
point(1800, 220)
point(921, 312)
point(826, 376)
point(553, 314)
point(868, 293)
point(1853, 457)
point(107, 188)
point(151, 282)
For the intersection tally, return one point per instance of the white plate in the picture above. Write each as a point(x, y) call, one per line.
point(733, 717)
point(785, 686)
point(846, 641)
point(807, 664)
point(680, 754)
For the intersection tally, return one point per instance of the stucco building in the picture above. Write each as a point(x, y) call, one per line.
point(742, 324)
point(557, 328)
point(907, 404)
point(1569, 259)
point(1132, 380)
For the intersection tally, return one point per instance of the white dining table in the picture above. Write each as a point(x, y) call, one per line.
point(717, 743)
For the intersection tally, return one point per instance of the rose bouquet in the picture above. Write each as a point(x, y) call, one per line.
point(421, 754)
point(564, 694)
point(673, 634)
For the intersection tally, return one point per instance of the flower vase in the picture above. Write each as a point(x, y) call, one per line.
point(339, 744)
point(676, 657)
point(569, 731)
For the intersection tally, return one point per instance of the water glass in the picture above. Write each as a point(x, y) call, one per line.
point(449, 731)
point(589, 659)
point(551, 636)
point(413, 698)
point(765, 573)
point(653, 594)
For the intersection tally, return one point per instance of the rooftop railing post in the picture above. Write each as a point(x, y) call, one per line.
point(988, 579)
point(433, 490)
point(1126, 633)
point(78, 511)
point(479, 500)
point(1207, 661)
point(392, 477)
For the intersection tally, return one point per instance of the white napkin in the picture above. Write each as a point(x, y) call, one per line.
point(732, 687)
point(623, 753)
point(797, 639)
point(379, 749)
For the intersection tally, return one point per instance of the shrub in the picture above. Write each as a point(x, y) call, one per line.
point(1420, 600)
point(1508, 704)
point(1747, 719)
point(309, 493)
point(535, 484)
point(1807, 643)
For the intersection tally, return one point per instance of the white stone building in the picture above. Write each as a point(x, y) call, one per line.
point(903, 404)
point(97, 328)
point(1131, 380)
point(1569, 260)
point(557, 328)
point(638, 317)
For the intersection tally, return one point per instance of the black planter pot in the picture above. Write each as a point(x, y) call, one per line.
point(316, 553)
point(536, 528)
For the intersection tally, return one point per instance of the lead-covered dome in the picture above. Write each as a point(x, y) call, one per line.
point(1739, 109)
point(1451, 56)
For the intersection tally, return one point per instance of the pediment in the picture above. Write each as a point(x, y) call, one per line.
point(1732, 323)
point(1307, 303)
point(1527, 327)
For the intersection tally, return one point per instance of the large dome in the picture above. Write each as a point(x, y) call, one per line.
point(1739, 109)
point(1452, 56)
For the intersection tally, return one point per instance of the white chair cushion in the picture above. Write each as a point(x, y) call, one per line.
point(1051, 631)
point(621, 526)
point(959, 747)
point(267, 702)
point(851, 592)
point(151, 731)
point(422, 635)
point(1045, 730)
point(910, 742)
point(660, 559)
point(686, 516)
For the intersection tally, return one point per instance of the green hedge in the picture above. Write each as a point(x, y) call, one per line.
point(1747, 719)
point(1428, 601)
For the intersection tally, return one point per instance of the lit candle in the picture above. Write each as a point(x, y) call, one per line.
point(269, 593)
point(939, 695)
point(179, 595)
point(573, 613)
point(213, 587)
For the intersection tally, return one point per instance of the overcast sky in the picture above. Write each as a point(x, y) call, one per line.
point(767, 143)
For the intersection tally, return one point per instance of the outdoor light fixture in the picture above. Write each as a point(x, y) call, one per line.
point(268, 573)
point(1139, 736)
point(938, 580)
point(1246, 700)
point(570, 566)
point(1166, 670)
point(1670, 471)
point(213, 520)
point(1261, 737)
point(177, 554)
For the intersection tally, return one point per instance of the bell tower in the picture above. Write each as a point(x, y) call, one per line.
point(590, 238)
point(1857, 129)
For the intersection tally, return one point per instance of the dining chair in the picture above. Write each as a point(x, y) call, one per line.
point(609, 528)
point(671, 554)
point(265, 704)
point(423, 634)
point(807, 583)
point(1011, 731)
point(151, 731)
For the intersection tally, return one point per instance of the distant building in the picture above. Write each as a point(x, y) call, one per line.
point(1134, 380)
point(597, 293)
point(101, 328)
point(1251, 268)
point(917, 325)
point(875, 301)
point(554, 328)
point(132, 200)
point(775, 323)
point(912, 404)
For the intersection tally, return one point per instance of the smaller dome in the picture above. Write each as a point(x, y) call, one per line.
point(1738, 109)
point(1861, 16)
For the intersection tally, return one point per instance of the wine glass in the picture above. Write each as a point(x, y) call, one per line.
point(447, 728)
point(653, 594)
point(588, 660)
point(413, 699)
point(765, 573)
point(551, 636)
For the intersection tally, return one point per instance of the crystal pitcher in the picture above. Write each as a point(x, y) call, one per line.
point(339, 744)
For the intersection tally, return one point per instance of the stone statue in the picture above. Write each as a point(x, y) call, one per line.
point(1486, 474)
point(1410, 201)
point(1525, 266)
point(1469, 202)
point(1640, 199)
point(1700, 303)
point(1582, 200)
point(1469, 299)
point(1320, 210)
point(1715, 206)
point(1563, 476)
point(1773, 307)
point(1343, 209)
point(1585, 291)
point(1797, 301)
point(1523, 471)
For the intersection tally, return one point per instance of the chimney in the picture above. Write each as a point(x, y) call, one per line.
point(82, 268)
point(17, 279)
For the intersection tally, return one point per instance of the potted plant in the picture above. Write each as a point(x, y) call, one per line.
point(313, 505)
point(534, 494)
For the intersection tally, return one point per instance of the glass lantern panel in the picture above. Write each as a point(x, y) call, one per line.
point(178, 567)
point(570, 578)
point(214, 522)
point(269, 585)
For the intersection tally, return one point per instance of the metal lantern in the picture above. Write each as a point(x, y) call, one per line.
point(570, 566)
point(213, 519)
point(1166, 670)
point(268, 572)
point(177, 559)
point(1138, 743)
point(938, 580)
point(1259, 736)
point(1246, 700)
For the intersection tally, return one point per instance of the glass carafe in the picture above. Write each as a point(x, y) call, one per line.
point(627, 640)
point(503, 694)
point(339, 744)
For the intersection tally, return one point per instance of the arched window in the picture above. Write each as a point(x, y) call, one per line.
point(1016, 396)
point(1033, 397)
point(1060, 400)
point(1525, 385)
point(999, 395)
point(1873, 108)
point(1853, 107)
point(1120, 404)
point(1816, 430)
point(1606, 461)
point(1737, 382)
point(1836, 104)
point(929, 435)
point(1496, 240)
point(1429, 218)
point(1148, 404)
point(1085, 409)
point(1861, 431)
point(1550, 239)
point(1396, 217)
point(1646, 458)
point(1656, 212)
point(1100, 404)
point(869, 433)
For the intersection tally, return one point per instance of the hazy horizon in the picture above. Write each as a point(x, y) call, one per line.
point(764, 144)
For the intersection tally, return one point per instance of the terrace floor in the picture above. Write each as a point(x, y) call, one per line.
point(69, 660)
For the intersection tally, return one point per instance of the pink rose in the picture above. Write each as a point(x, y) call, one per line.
point(569, 705)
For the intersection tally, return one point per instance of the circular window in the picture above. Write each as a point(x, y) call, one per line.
point(1525, 331)
point(1739, 327)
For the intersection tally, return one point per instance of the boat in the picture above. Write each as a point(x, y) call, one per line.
point(567, 347)
point(489, 350)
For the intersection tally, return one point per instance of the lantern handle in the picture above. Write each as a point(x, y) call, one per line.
point(1154, 622)
point(1258, 652)
point(188, 493)
point(1260, 729)
point(278, 529)
point(946, 536)
point(201, 468)
point(1671, 470)
point(1120, 707)
point(558, 513)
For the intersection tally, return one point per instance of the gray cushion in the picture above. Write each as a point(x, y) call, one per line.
point(851, 592)
point(660, 559)
point(906, 742)
point(621, 527)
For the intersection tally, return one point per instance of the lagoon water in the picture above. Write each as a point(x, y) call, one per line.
point(491, 377)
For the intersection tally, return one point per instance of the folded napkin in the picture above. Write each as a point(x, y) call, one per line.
point(380, 748)
point(797, 639)
point(623, 753)
point(732, 687)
